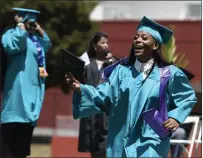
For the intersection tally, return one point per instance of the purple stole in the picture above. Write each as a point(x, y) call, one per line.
point(108, 70)
point(156, 117)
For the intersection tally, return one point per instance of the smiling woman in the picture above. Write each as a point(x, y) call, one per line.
point(141, 84)
point(143, 45)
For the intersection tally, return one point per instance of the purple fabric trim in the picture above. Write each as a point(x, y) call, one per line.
point(109, 69)
point(155, 118)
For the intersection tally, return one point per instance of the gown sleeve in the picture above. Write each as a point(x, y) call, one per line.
point(95, 100)
point(45, 42)
point(14, 41)
point(182, 97)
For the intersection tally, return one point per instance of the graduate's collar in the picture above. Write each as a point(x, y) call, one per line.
point(143, 67)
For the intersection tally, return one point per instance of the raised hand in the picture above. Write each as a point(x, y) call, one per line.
point(18, 18)
point(37, 26)
point(72, 82)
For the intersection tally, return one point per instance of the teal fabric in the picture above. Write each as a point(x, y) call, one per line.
point(126, 98)
point(27, 14)
point(23, 89)
point(159, 32)
point(152, 32)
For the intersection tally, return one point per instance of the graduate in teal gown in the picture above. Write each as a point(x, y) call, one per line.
point(132, 88)
point(24, 46)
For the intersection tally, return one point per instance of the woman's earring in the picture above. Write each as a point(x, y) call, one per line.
point(95, 48)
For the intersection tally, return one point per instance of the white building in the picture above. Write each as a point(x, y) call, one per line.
point(135, 10)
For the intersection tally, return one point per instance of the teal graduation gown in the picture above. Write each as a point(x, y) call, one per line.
point(23, 89)
point(126, 97)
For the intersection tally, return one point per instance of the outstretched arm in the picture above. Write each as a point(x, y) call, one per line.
point(89, 101)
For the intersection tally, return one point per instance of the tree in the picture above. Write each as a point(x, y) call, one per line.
point(67, 24)
point(172, 56)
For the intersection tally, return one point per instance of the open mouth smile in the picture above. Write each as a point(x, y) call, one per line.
point(139, 47)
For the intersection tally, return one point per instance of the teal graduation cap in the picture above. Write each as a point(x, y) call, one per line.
point(159, 32)
point(27, 14)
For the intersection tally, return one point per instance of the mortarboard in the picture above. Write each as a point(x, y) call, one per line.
point(73, 64)
point(27, 14)
point(159, 32)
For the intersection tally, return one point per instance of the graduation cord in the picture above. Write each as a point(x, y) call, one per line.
point(41, 58)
